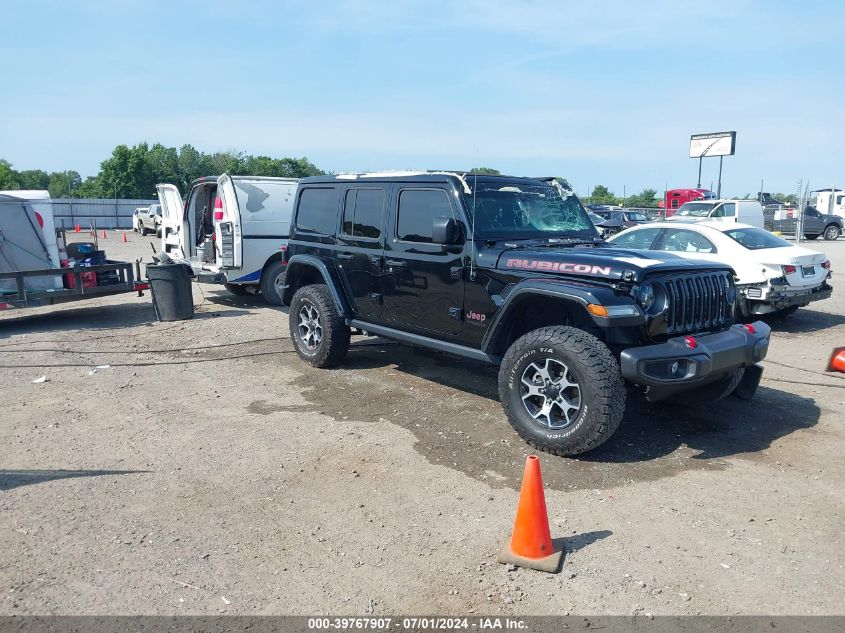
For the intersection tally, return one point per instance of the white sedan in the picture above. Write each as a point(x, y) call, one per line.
point(772, 274)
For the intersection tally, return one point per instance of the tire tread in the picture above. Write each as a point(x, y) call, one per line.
point(336, 333)
point(603, 372)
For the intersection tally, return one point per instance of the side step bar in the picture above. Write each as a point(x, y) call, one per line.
point(425, 341)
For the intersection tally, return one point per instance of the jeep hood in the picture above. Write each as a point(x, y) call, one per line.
point(600, 262)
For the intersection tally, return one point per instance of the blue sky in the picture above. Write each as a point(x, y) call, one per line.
point(599, 92)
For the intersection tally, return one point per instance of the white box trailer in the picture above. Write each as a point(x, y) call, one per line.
point(830, 201)
point(41, 204)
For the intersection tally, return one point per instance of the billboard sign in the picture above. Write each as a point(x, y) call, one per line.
point(716, 144)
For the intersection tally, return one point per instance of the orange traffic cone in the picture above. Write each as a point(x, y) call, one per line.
point(123, 239)
point(837, 360)
point(104, 234)
point(77, 229)
point(530, 544)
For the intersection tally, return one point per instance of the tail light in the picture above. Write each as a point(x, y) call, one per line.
point(218, 209)
point(826, 264)
point(788, 270)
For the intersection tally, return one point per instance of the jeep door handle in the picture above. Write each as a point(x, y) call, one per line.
point(345, 256)
point(395, 263)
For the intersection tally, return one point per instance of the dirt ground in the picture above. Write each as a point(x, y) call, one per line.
point(207, 470)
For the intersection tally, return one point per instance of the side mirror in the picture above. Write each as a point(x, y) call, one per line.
point(445, 231)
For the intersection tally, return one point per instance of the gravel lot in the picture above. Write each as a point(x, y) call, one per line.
point(232, 478)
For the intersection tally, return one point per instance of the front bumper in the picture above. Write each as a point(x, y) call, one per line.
point(688, 362)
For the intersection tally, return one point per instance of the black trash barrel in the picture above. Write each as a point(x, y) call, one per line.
point(170, 286)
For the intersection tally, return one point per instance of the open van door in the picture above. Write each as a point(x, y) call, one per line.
point(174, 226)
point(228, 228)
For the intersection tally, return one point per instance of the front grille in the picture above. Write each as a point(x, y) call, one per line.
point(696, 302)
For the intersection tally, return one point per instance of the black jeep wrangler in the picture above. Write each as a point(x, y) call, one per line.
point(511, 271)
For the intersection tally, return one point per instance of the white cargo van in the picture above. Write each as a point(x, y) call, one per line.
point(741, 211)
point(232, 229)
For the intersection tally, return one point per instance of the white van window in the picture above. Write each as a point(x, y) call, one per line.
point(727, 210)
point(264, 200)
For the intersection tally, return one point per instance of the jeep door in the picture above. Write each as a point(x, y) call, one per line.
point(422, 283)
point(359, 248)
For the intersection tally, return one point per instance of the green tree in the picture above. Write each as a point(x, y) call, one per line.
point(127, 173)
point(489, 171)
point(64, 184)
point(8, 176)
point(33, 179)
point(643, 199)
point(230, 162)
point(602, 195)
point(163, 164)
point(192, 165)
point(90, 188)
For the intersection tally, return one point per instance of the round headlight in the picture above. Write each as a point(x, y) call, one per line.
point(730, 290)
point(645, 296)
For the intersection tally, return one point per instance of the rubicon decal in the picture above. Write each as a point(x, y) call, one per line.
point(558, 267)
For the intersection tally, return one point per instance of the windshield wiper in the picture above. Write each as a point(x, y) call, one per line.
point(570, 241)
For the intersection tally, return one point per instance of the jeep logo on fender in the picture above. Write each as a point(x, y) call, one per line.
point(558, 267)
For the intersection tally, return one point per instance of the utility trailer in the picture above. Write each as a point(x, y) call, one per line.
point(125, 280)
point(35, 268)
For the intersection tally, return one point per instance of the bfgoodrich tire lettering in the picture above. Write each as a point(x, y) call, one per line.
point(590, 365)
point(318, 331)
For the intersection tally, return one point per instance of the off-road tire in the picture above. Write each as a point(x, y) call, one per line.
point(602, 389)
point(831, 232)
point(237, 289)
point(334, 338)
point(268, 288)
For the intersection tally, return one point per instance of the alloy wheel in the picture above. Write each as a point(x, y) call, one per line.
point(309, 328)
point(550, 393)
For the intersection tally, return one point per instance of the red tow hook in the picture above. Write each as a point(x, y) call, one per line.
point(749, 328)
point(691, 342)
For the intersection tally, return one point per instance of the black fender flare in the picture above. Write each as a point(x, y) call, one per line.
point(576, 293)
point(298, 262)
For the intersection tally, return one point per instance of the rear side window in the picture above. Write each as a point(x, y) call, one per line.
point(756, 239)
point(641, 239)
point(685, 241)
point(317, 210)
point(363, 210)
point(417, 210)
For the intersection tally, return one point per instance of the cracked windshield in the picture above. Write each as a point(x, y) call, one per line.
point(527, 211)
